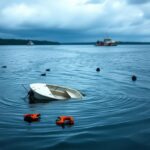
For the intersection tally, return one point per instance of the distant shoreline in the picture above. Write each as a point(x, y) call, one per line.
point(44, 42)
point(26, 42)
point(119, 43)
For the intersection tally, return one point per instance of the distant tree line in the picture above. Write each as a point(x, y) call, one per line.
point(38, 42)
point(25, 42)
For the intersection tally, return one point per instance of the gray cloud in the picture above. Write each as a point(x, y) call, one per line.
point(138, 1)
point(74, 20)
point(95, 1)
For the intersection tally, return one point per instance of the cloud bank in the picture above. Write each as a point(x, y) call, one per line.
point(75, 20)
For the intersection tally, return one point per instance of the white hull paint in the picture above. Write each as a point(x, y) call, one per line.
point(42, 91)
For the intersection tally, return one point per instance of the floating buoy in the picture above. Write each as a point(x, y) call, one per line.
point(47, 69)
point(134, 78)
point(43, 74)
point(32, 117)
point(98, 69)
point(4, 66)
point(65, 120)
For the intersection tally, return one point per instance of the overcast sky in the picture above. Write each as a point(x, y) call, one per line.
point(75, 20)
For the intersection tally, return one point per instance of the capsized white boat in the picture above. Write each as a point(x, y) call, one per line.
point(42, 91)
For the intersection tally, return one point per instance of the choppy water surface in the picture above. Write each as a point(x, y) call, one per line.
point(114, 114)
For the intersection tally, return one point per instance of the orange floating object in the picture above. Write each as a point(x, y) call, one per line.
point(31, 117)
point(65, 120)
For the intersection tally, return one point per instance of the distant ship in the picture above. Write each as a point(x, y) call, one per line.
point(30, 43)
point(106, 42)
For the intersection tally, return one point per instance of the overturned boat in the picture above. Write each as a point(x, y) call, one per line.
point(41, 92)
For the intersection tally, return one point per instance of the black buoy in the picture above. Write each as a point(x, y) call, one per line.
point(4, 66)
point(98, 69)
point(47, 69)
point(43, 74)
point(134, 78)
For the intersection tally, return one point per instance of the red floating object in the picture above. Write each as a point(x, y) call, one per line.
point(32, 117)
point(65, 120)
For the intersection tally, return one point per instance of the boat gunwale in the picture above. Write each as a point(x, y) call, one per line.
point(79, 95)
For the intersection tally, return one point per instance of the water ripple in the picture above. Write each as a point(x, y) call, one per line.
point(114, 110)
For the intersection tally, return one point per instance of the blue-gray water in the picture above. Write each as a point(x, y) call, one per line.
point(114, 114)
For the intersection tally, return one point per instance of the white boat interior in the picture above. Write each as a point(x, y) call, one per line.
point(44, 91)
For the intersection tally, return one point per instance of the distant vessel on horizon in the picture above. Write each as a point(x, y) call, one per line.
point(30, 43)
point(106, 42)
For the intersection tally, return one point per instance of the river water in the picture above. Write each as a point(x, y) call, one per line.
point(114, 114)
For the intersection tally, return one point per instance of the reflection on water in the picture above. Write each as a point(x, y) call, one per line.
point(114, 114)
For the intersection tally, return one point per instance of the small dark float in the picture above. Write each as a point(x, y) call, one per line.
point(134, 78)
point(98, 69)
point(43, 74)
point(47, 69)
point(4, 66)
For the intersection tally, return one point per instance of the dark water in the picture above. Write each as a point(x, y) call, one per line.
point(115, 114)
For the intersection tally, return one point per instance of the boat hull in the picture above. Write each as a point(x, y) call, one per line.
point(40, 92)
point(106, 44)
